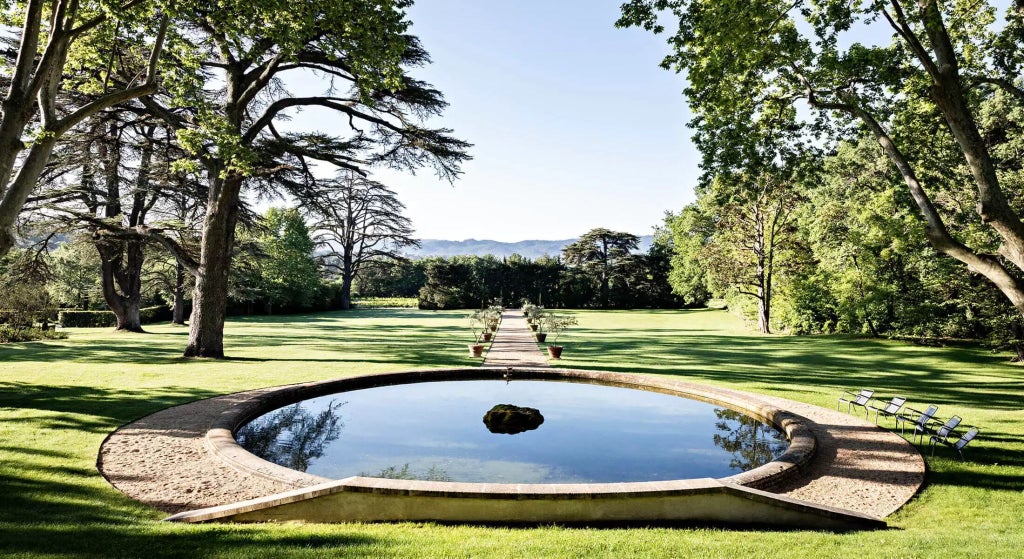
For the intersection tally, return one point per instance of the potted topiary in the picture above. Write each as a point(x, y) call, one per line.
point(556, 324)
point(536, 317)
point(492, 315)
point(538, 328)
point(479, 326)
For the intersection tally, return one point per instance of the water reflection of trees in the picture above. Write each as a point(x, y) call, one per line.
point(751, 442)
point(292, 436)
point(433, 473)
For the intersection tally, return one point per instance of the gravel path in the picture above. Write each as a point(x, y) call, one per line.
point(514, 344)
point(858, 465)
point(161, 460)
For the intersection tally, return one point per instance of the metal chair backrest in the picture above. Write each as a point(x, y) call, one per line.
point(927, 415)
point(947, 427)
point(894, 405)
point(863, 397)
point(966, 438)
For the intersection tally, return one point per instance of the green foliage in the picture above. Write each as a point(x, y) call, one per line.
point(23, 297)
point(10, 334)
point(641, 280)
point(288, 272)
point(558, 323)
point(950, 119)
point(605, 256)
point(690, 230)
point(74, 279)
point(390, 279)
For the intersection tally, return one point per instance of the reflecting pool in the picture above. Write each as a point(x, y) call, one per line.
point(588, 433)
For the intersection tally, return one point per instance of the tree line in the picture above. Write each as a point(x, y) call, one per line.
point(600, 270)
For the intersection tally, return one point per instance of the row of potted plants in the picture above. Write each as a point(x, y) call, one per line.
point(484, 324)
point(543, 322)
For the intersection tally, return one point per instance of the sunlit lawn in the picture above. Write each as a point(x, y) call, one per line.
point(58, 400)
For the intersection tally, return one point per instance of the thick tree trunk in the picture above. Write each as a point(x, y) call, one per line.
point(347, 272)
point(210, 296)
point(1018, 341)
point(764, 301)
point(14, 198)
point(178, 314)
point(346, 293)
point(121, 278)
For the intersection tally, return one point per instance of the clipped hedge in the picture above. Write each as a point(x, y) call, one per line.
point(102, 319)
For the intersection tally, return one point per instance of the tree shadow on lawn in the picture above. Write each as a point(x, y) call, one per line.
point(438, 345)
point(947, 470)
point(925, 375)
point(143, 349)
point(71, 518)
point(112, 406)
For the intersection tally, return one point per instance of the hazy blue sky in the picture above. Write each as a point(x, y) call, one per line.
point(573, 123)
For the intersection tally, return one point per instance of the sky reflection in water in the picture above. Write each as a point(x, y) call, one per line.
point(435, 430)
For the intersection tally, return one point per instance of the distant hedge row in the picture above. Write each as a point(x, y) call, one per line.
point(101, 319)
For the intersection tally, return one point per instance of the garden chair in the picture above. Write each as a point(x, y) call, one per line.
point(919, 419)
point(860, 399)
point(957, 445)
point(890, 409)
point(946, 429)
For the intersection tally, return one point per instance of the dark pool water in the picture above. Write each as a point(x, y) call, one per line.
point(435, 430)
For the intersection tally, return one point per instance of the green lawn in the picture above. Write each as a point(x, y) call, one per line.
point(58, 400)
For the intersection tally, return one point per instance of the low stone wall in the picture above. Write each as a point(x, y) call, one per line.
point(696, 501)
point(732, 500)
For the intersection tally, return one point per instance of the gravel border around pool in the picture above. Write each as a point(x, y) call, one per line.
point(165, 460)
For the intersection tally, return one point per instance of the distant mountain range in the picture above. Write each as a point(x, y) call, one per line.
point(482, 247)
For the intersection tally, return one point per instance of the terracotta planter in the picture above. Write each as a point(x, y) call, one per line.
point(487, 336)
point(555, 351)
point(533, 327)
point(476, 350)
point(494, 327)
point(541, 336)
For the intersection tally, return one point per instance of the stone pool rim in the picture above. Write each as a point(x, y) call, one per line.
point(220, 438)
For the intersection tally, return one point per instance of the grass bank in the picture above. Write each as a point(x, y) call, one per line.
point(59, 399)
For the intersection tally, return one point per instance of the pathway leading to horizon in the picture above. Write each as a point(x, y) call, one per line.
point(514, 345)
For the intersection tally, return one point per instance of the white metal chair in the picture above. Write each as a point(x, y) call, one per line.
point(890, 409)
point(856, 399)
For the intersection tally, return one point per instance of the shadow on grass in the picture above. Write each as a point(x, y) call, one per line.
point(93, 409)
point(56, 505)
point(949, 471)
point(49, 517)
point(921, 374)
